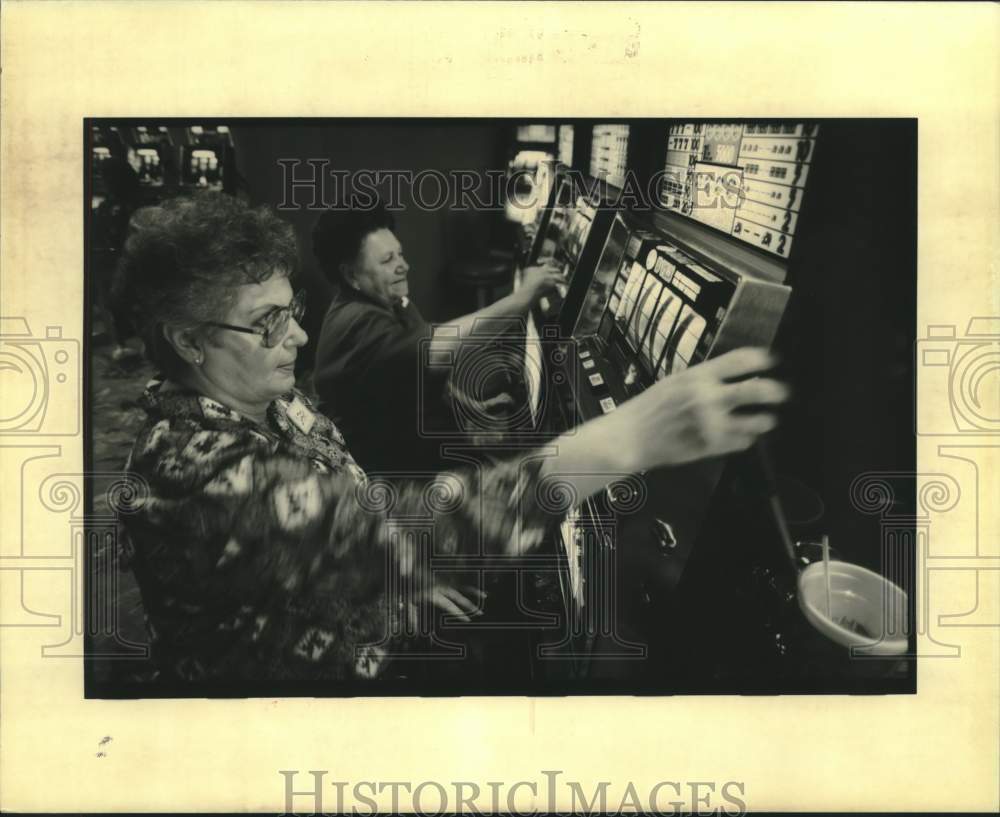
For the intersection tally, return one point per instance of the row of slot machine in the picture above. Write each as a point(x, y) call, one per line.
point(746, 180)
point(646, 295)
point(134, 166)
point(149, 162)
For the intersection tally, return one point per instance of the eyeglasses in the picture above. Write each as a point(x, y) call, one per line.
point(274, 325)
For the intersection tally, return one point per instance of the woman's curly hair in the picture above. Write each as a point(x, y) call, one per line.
point(184, 259)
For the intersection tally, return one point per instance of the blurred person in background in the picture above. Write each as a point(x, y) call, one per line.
point(382, 372)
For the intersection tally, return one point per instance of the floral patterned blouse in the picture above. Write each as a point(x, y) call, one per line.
point(262, 551)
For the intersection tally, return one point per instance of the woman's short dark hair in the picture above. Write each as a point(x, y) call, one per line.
point(338, 234)
point(184, 259)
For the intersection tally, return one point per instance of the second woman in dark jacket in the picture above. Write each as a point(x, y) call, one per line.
point(383, 374)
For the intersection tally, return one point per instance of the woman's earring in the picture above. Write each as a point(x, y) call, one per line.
point(197, 361)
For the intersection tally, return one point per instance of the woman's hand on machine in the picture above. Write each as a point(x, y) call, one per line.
point(463, 602)
point(712, 409)
point(539, 280)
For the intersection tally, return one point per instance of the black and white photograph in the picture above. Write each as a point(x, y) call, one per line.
point(500, 406)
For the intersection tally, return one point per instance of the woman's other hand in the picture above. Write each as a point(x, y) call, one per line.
point(464, 602)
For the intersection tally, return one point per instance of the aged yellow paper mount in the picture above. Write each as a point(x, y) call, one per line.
point(63, 61)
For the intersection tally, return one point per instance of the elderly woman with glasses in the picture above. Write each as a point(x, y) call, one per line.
point(261, 550)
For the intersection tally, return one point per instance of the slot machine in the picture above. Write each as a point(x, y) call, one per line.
point(108, 218)
point(571, 233)
point(566, 134)
point(107, 149)
point(531, 173)
point(207, 160)
point(535, 216)
point(756, 170)
point(705, 275)
point(534, 227)
point(655, 307)
point(149, 154)
point(575, 232)
point(609, 153)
